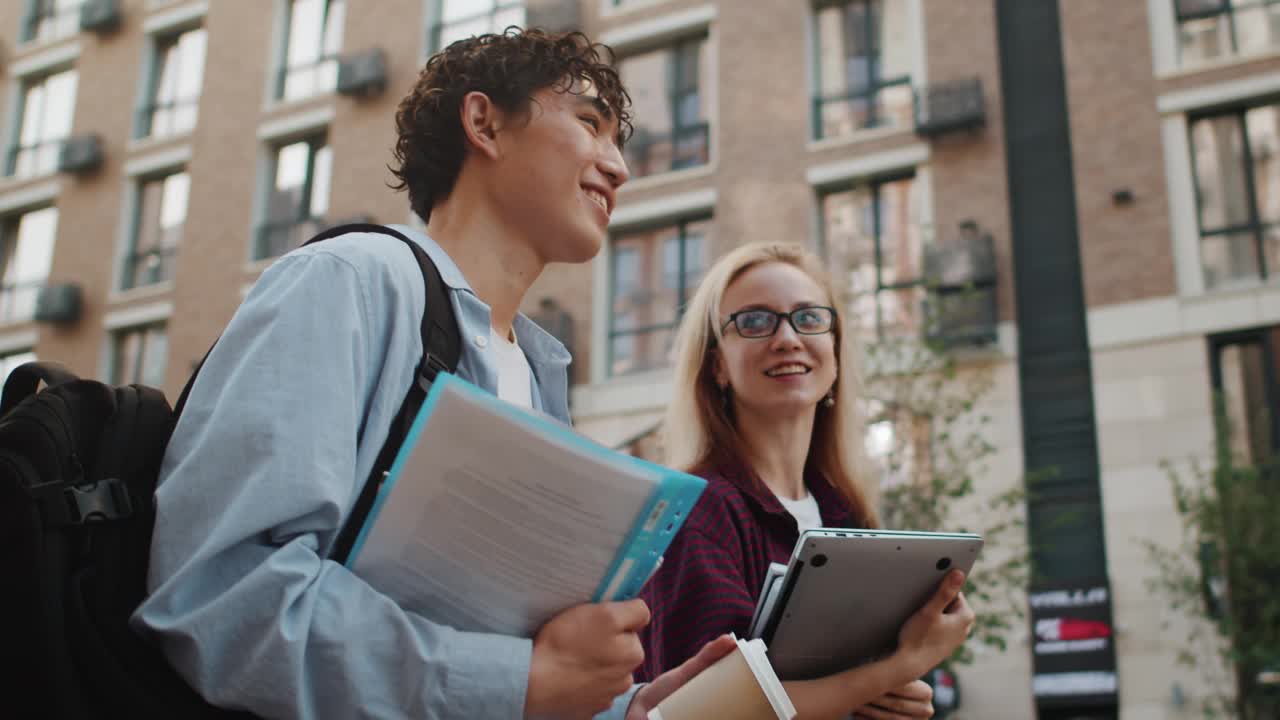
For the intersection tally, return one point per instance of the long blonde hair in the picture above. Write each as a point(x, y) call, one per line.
point(699, 431)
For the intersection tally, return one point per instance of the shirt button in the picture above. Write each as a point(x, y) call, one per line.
point(481, 341)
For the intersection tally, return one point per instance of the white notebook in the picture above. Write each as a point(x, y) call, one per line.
point(495, 518)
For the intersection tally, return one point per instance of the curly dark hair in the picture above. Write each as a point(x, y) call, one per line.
point(508, 67)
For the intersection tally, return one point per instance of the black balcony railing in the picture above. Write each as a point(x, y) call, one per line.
point(278, 237)
point(648, 153)
point(36, 159)
point(18, 301)
point(47, 21)
point(149, 267)
point(866, 108)
point(306, 79)
point(167, 117)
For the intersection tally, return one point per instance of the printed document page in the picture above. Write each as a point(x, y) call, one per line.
point(497, 521)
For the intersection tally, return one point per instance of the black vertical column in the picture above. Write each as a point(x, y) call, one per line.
point(1070, 596)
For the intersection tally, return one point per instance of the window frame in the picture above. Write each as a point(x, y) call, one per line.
point(15, 147)
point(1255, 225)
point(682, 293)
point(137, 373)
point(39, 10)
point(876, 183)
point(679, 53)
point(166, 256)
point(284, 70)
point(1228, 9)
point(438, 24)
point(10, 229)
point(150, 106)
point(316, 141)
point(874, 85)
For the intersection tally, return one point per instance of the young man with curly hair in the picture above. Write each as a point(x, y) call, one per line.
point(509, 149)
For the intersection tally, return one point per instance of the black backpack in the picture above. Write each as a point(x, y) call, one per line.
point(79, 461)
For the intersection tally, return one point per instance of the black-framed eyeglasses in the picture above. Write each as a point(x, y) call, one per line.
point(759, 323)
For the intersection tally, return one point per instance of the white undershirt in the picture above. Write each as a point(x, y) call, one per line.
point(804, 510)
point(514, 381)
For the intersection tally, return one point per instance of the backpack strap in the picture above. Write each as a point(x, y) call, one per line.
point(24, 379)
point(441, 350)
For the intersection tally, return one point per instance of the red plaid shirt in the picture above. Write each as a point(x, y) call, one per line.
point(712, 572)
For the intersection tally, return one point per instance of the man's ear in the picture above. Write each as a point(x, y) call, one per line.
point(481, 122)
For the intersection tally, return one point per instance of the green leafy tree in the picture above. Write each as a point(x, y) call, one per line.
point(929, 435)
point(1222, 579)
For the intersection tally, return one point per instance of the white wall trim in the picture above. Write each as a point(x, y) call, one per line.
point(20, 341)
point(298, 123)
point(177, 17)
point(162, 160)
point(868, 165)
point(29, 196)
point(44, 61)
point(1164, 32)
point(1219, 93)
point(643, 392)
point(138, 315)
point(919, 54)
point(1185, 235)
point(663, 208)
point(1169, 318)
point(634, 36)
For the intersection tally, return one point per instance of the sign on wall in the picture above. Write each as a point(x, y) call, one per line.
point(1073, 644)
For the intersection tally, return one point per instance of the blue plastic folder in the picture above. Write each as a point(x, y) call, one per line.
point(493, 518)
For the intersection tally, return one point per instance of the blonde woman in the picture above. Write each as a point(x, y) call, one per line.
point(764, 408)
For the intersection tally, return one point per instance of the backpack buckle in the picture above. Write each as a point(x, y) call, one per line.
point(80, 504)
point(431, 367)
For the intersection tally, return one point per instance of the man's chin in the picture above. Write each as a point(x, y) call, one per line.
point(578, 250)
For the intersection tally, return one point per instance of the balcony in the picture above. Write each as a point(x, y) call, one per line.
point(960, 282)
point(950, 107)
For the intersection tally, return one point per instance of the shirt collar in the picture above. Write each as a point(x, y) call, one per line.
point(835, 510)
point(540, 346)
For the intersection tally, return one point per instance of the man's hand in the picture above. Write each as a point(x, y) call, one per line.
point(583, 658)
point(648, 697)
point(909, 702)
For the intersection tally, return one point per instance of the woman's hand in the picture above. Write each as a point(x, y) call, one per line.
point(909, 702)
point(937, 629)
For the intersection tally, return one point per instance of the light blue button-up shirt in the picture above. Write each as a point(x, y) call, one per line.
point(279, 434)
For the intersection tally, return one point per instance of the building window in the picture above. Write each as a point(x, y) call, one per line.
point(312, 44)
point(1243, 372)
point(461, 19)
point(174, 94)
point(160, 214)
point(45, 112)
point(298, 197)
point(12, 360)
point(26, 254)
point(672, 129)
point(1236, 156)
point(872, 237)
point(138, 355)
point(51, 20)
point(652, 275)
point(863, 66)
point(1210, 29)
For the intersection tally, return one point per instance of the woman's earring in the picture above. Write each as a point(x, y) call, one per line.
point(829, 400)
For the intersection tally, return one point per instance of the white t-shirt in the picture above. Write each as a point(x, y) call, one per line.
point(515, 384)
point(804, 510)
